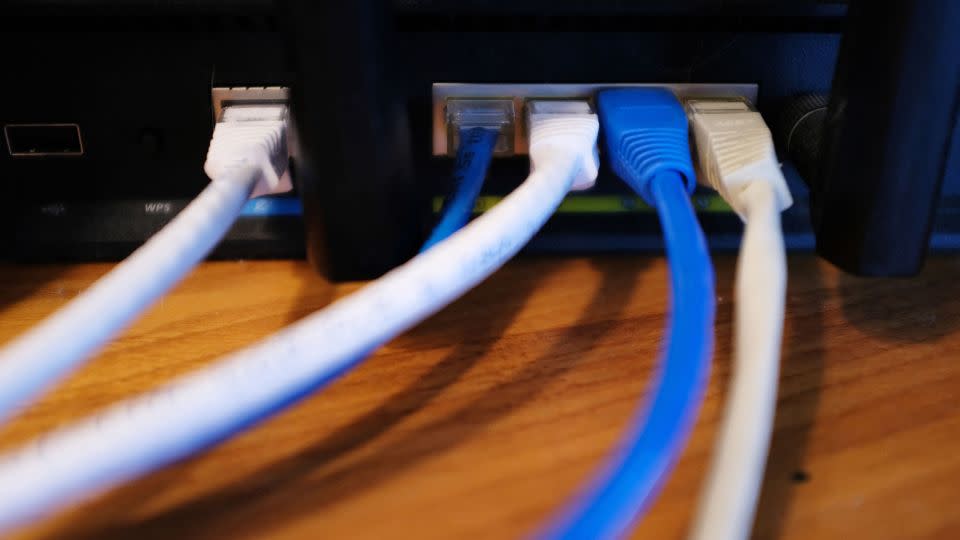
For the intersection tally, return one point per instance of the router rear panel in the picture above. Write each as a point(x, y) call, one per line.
point(359, 138)
point(136, 77)
point(137, 83)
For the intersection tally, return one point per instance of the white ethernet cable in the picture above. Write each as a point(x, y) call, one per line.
point(736, 156)
point(248, 155)
point(192, 413)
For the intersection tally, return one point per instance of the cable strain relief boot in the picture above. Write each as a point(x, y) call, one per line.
point(735, 150)
point(646, 135)
point(252, 135)
point(565, 127)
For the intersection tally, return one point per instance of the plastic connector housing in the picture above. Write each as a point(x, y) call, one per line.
point(570, 125)
point(646, 135)
point(734, 148)
point(252, 134)
point(496, 114)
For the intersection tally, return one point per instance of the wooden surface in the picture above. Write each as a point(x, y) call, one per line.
point(484, 419)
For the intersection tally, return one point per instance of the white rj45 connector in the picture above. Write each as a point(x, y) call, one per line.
point(734, 148)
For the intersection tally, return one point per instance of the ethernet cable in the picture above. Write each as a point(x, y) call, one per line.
point(736, 156)
point(247, 157)
point(199, 410)
point(646, 139)
point(474, 154)
point(474, 127)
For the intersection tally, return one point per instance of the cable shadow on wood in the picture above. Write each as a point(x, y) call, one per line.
point(212, 513)
point(477, 325)
point(914, 310)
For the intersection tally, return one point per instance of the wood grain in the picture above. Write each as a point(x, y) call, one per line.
point(484, 419)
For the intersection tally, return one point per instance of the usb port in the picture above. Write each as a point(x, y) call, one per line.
point(39, 140)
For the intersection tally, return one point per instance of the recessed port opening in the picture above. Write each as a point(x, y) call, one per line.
point(443, 93)
point(223, 97)
point(43, 140)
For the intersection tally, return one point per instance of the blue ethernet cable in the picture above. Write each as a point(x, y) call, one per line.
point(473, 159)
point(646, 139)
